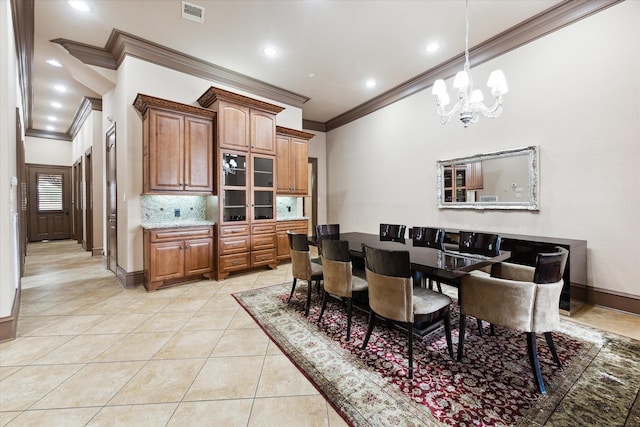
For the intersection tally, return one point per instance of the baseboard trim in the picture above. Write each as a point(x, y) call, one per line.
point(9, 324)
point(129, 280)
point(96, 252)
point(612, 299)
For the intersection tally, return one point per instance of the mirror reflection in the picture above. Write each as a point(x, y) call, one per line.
point(501, 180)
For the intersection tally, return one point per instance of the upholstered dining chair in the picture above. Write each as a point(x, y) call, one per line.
point(393, 297)
point(518, 297)
point(392, 231)
point(428, 237)
point(302, 267)
point(324, 232)
point(338, 277)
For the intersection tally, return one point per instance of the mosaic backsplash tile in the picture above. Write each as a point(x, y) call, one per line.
point(156, 208)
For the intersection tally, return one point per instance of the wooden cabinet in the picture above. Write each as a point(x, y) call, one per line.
point(458, 179)
point(176, 255)
point(246, 171)
point(297, 226)
point(292, 154)
point(178, 147)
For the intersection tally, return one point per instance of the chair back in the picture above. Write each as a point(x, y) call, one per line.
point(392, 232)
point(479, 243)
point(300, 256)
point(336, 265)
point(326, 232)
point(428, 237)
point(390, 283)
point(550, 266)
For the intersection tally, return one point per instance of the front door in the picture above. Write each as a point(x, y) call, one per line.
point(49, 198)
point(112, 202)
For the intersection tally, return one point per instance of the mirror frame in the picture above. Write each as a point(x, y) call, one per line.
point(532, 202)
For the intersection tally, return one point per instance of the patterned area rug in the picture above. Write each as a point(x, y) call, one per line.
point(493, 386)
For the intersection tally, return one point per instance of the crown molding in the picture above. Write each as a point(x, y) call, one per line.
point(313, 125)
point(293, 132)
point(23, 13)
point(546, 22)
point(37, 133)
point(121, 44)
point(87, 105)
point(143, 102)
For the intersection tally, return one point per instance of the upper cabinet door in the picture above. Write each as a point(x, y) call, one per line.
point(283, 175)
point(198, 155)
point(233, 126)
point(263, 132)
point(166, 141)
point(299, 165)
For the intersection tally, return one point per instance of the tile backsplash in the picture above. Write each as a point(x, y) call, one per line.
point(156, 208)
point(288, 207)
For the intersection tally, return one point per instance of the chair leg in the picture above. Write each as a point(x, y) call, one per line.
point(309, 291)
point(552, 347)
point(535, 363)
point(447, 332)
point(349, 307)
point(492, 329)
point(372, 320)
point(410, 342)
point(324, 305)
point(463, 319)
point(293, 288)
point(479, 322)
point(439, 286)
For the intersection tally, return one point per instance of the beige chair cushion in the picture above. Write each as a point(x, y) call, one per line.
point(302, 268)
point(358, 284)
point(426, 301)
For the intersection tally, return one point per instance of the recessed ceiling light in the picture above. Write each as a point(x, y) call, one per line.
point(371, 83)
point(60, 88)
point(56, 104)
point(79, 5)
point(54, 62)
point(270, 51)
point(49, 127)
point(433, 46)
point(52, 119)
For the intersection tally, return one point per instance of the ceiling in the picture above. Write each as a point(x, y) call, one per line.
point(327, 50)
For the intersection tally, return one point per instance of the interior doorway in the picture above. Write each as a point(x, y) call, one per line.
point(87, 242)
point(49, 195)
point(310, 201)
point(77, 201)
point(111, 252)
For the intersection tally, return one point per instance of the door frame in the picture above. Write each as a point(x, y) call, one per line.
point(87, 242)
point(78, 229)
point(313, 167)
point(111, 242)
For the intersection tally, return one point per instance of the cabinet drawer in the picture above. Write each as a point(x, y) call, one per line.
point(236, 230)
point(292, 225)
point(267, 256)
point(234, 245)
point(263, 241)
point(168, 234)
point(234, 262)
point(263, 228)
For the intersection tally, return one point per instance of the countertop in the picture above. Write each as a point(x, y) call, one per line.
point(174, 224)
point(291, 218)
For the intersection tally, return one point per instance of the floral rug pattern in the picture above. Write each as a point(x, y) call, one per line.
point(492, 386)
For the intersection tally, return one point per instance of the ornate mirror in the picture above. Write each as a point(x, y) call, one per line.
point(501, 180)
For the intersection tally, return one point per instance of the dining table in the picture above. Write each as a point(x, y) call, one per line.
point(444, 265)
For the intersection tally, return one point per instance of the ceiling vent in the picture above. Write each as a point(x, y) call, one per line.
point(192, 12)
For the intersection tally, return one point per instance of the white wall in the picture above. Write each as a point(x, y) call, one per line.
point(136, 76)
point(9, 101)
point(43, 151)
point(575, 93)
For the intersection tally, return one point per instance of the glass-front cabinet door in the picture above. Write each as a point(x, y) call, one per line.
point(234, 187)
point(263, 188)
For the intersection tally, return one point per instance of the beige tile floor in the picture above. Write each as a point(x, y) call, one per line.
point(90, 352)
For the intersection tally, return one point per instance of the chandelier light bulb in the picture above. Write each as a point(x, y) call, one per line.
point(470, 102)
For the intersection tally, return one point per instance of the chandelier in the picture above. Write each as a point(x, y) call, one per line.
point(469, 105)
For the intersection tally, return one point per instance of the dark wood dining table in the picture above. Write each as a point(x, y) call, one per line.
point(446, 266)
